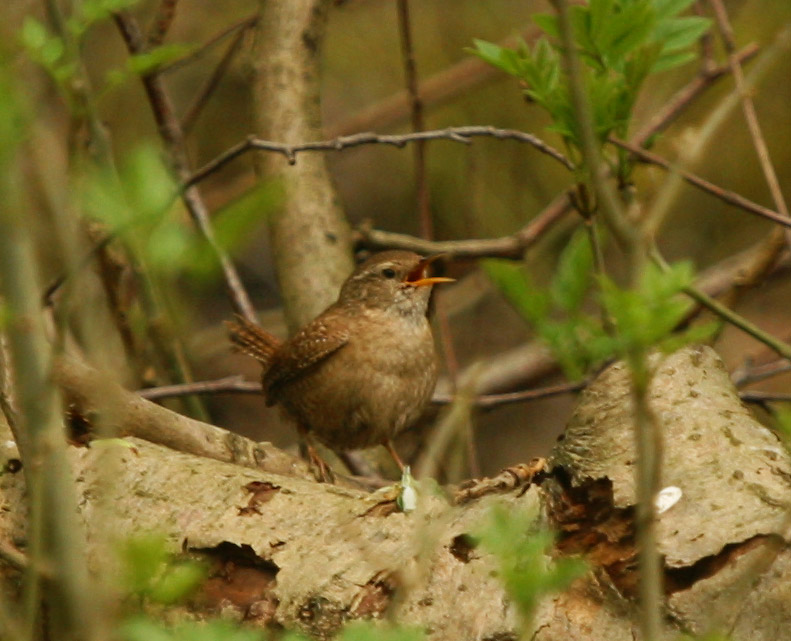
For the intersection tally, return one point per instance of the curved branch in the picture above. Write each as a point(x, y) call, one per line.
point(455, 134)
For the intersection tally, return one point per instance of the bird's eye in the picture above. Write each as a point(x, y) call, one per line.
point(387, 272)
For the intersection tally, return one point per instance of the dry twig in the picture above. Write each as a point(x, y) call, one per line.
point(173, 138)
point(750, 116)
point(730, 197)
point(456, 134)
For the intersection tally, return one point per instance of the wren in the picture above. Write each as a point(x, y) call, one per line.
point(364, 369)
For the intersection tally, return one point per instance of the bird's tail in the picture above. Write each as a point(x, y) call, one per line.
point(252, 340)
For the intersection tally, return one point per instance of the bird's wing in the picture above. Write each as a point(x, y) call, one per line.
point(308, 347)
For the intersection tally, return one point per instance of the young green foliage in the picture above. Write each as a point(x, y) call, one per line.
point(556, 313)
point(521, 554)
point(620, 43)
point(139, 206)
point(782, 420)
point(644, 317)
point(150, 572)
point(57, 54)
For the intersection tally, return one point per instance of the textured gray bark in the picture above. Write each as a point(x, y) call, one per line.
point(310, 234)
point(324, 555)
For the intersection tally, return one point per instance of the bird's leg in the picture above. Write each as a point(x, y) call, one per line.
point(320, 468)
point(391, 448)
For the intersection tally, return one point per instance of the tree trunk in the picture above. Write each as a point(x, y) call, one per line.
point(310, 235)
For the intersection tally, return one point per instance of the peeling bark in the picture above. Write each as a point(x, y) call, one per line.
point(288, 552)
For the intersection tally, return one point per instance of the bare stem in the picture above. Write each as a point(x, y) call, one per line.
point(750, 116)
point(195, 108)
point(730, 197)
point(173, 137)
point(416, 113)
point(646, 432)
point(162, 22)
point(455, 134)
point(54, 531)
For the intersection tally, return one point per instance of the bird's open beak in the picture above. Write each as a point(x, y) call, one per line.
point(419, 277)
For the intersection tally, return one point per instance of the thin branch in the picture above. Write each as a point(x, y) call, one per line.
point(781, 348)
point(173, 138)
point(706, 41)
point(456, 134)
point(53, 533)
point(243, 24)
point(440, 88)
point(513, 246)
point(764, 397)
point(237, 385)
point(425, 220)
point(748, 107)
point(230, 384)
point(610, 206)
point(416, 114)
point(162, 22)
point(204, 93)
point(647, 435)
point(507, 480)
point(730, 197)
point(750, 373)
point(489, 401)
point(686, 95)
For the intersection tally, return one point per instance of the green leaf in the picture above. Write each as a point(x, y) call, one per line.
point(167, 246)
point(496, 56)
point(522, 556)
point(573, 276)
point(646, 317)
point(669, 8)
point(92, 11)
point(570, 341)
point(672, 60)
point(548, 23)
point(44, 48)
point(695, 334)
point(143, 557)
point(148, 62)
point(149, 185)
point(601, 14)
point(518, 288)
point(630, 29)
point(178, 582)
point(681, 33)
point(235, 221)
point(34, 33)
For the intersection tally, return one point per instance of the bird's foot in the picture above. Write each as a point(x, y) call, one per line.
point(321, 470)
point(391, 448)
